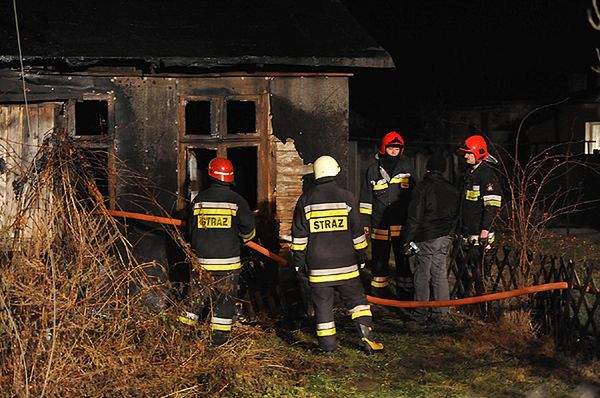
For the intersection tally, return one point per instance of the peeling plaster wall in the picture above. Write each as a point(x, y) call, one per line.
point(290, 169)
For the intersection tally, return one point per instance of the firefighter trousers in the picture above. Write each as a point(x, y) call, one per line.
point(380, 250)
point(352, 296)
point(473, 270)
point(223, 296)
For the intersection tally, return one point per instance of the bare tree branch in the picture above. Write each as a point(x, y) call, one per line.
point(594, 19)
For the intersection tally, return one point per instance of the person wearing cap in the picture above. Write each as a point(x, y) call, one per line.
point(432, 216)
point(384, 199)
point(220, 221)
point(328, 245)
point(481, 201)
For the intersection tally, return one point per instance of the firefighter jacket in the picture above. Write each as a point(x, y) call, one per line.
point(219, 221)
point(327, 236)
point(433, 209)
point(481, 200)
point(384, 198)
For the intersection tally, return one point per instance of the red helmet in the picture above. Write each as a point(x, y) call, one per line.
point(221, 169)
point(476, 145)
point(391, 139)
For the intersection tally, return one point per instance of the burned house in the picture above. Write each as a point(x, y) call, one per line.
point(161, 88)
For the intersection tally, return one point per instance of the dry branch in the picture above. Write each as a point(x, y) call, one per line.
point(74, 313)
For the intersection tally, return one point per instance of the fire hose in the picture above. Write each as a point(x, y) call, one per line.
point(179, 223)
point(373, 300)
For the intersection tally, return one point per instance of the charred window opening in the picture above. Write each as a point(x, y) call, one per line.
point(197, 118)
point(198, 159)
point(230, 126)
point(244, 160)
point(91, 117)
point(241, 117)
point(93, 169)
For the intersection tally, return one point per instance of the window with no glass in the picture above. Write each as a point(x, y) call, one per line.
point(244, 160)
point(241, 117)
point(197, 118)
point(91, 117)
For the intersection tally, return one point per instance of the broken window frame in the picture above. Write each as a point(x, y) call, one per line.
point(99, 141)
point(220, 141)
point(240, 98)
point(214, 108)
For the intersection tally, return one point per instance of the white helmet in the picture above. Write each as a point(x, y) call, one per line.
point(326, 166)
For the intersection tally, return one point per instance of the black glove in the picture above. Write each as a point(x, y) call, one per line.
point(410, 249)
point(299, 261)
point(300, 268)
point(361, 257)
point(483, 242)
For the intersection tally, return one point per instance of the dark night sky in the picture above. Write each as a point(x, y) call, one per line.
point(472, 51)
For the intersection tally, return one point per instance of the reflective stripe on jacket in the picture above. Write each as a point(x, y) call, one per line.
point(384, 198)
point(327, 233)
point(219, 222)
point(482, 198)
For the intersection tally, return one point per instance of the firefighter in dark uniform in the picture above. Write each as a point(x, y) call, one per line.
point(220, 221)
point(329, 244)
point(384, 200)
point(481, 202)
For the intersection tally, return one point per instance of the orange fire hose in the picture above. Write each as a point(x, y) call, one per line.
point(177, 222)
point(373, 300)
point(139, 216)
point(469, 300)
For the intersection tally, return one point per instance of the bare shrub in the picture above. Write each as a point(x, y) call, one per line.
point(539, 189)
point(73, 319)
point(594, 20)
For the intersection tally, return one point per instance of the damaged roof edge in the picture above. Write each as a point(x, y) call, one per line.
point(379, 59)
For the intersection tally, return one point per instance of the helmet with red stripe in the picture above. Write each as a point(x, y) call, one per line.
point(221, 169)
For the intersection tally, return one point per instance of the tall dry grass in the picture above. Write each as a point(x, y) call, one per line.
point(73, 319)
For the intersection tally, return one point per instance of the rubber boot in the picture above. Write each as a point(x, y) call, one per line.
point(327, 344)
point(368, 344)
point(380, 287)
point(219, 337)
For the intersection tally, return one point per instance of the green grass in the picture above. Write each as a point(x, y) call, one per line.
point(468, 360)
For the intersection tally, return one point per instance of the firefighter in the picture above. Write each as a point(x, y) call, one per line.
point(384, 199)
point(219, 222)
point(481, 202)
point(329, 244)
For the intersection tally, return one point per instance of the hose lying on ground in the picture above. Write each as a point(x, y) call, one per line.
point(469, 300)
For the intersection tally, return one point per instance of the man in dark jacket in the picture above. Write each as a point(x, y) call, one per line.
point(219, 223)
point(431, 217)
point(384, 199)
point(328, 244)
point(481, 201)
